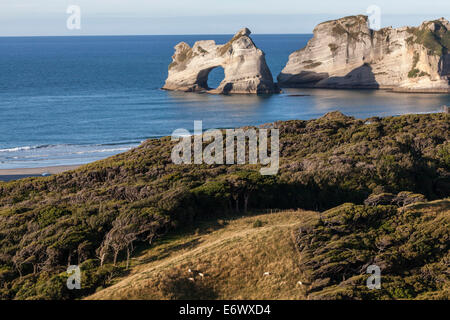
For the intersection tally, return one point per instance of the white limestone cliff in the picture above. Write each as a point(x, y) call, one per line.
point(346, 53)
point(245, 67)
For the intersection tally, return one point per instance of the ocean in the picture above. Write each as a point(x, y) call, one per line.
point(74, 100)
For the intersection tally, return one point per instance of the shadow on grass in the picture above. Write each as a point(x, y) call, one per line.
point(177, 287)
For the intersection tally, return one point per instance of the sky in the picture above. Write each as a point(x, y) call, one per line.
point(146, 17)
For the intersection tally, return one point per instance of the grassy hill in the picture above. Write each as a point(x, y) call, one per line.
point(235, 256)
point(102, 214)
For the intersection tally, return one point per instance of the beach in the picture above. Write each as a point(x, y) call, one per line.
point(15, 174)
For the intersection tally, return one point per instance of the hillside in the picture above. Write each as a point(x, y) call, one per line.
point(103, 213)
point(233, 255)
point(270, 256)
point(409, 244)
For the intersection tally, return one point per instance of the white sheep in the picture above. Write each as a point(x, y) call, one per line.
point(196, 273)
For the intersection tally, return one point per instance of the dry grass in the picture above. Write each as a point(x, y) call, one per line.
point(233, 258)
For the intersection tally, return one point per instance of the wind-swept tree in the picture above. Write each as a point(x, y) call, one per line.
point(128, 228)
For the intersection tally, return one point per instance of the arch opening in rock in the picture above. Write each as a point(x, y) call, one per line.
point(215, 77)
point(210, 78)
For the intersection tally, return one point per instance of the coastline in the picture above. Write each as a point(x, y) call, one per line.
point(380, 88)
point(16, 174)
point(7, 175)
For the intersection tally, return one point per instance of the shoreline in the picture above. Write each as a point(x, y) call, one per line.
point(7, 175)
point(430, 91)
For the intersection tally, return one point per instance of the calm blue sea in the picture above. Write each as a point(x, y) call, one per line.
point(73, 100)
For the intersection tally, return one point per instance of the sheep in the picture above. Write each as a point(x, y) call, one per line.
point(191, 279)
point(267, 273)
point(196, 273)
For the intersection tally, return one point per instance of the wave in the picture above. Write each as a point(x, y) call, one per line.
point(62, 154)
point(103, 150)
point(120, 143)
point(24, 148)
point(55, 146)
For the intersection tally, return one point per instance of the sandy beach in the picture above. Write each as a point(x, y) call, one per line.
point(15, 174)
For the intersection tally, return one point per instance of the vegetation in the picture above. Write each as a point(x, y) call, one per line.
point(313, 65)
point(227, 46)
point(179, 59)
point(414, 73)
point(333, 47)
point(339, 30)
point(410, 245)
point(234, 258)
point(300, 255)
point(434, 36)
point(201, 50)
point(349, 26)
point(102, 214)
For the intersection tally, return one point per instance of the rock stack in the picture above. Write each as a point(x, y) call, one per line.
point(245, 67)
point(346, 53)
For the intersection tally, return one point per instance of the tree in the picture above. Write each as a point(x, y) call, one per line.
point(236, 186)
point(34, 254)
point(128, 228)
point(243, 184)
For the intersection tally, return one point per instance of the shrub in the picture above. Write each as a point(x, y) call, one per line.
point(258, 224)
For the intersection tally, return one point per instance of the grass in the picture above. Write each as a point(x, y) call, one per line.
point(233, 255)
point(224, 49)
point(297, 255)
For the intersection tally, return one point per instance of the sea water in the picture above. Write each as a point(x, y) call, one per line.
point(73, 100)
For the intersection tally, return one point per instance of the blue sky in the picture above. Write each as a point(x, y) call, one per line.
point(109, 17)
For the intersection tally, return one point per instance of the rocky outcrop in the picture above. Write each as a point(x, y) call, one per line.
point(244, 65)
point(346, 53)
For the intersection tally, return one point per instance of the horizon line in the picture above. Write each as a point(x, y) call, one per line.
point(147, 35)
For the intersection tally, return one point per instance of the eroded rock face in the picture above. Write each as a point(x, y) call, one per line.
point(345, 53)
point(244, 66)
